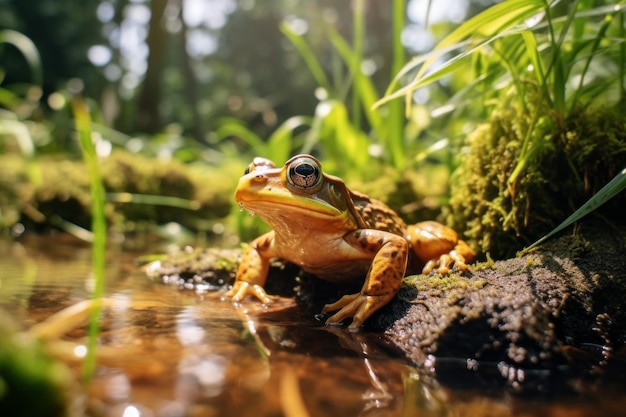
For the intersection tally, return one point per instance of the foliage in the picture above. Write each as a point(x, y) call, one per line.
point(537, 68)
point(610, 190)
point(98, 226)
point(338, 126)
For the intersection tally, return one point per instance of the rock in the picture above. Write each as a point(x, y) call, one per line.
point(559, 307)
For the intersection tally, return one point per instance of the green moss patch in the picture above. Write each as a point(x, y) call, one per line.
point(568, 161)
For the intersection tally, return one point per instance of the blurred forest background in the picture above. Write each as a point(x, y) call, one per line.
point(181, 65)
point(508, 115)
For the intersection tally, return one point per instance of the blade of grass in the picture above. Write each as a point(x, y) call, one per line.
point(363, 86)
point(308, 55)
point(610, 190)
point(28, 49)
point(281, 143)
point(394, 139)
point(495, 21)
point(608, 19)
point(98, 224)
point(357, 58)
point(229, 126)
point(154, 200)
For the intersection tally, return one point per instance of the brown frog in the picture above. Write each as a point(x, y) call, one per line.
point(337, 235)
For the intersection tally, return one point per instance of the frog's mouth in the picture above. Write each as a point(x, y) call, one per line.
point(288, 205)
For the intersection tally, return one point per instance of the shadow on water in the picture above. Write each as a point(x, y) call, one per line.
point(170, 352)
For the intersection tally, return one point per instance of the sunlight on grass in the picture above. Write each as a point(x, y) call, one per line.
point(99, 227)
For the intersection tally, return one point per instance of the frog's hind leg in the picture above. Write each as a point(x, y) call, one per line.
point(382, 282)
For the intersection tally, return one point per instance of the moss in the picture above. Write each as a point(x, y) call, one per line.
point(452, 287)
point(415, 196)
point(64, 191)
point(569, 160)
point(481, 266)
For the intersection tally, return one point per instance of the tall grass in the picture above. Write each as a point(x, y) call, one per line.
point(515, 35)
point(11, 123)
point(560, 49)
point(346, 128)
point(345, 135)
point(610, 190)
point(98, 226)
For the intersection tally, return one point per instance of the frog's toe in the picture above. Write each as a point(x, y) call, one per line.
point(445, 263)
point(241, 289)
point(357, 306)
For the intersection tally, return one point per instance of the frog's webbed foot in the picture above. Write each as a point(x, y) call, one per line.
point(241, 289)
point(444, 263)
point(357, 306)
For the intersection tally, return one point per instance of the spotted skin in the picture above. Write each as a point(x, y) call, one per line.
point(337, 235)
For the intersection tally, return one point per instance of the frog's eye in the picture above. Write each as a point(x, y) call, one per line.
point(304, 173)
point(249, 168)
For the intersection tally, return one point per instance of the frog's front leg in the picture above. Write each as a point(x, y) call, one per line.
point(253, 269)
point(390, 255)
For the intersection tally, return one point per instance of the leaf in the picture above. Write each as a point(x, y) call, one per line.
point(308, 55)
point(280, 144)
point(483, 28)
point(610, 190)
point(234, 127)
point(27, 49)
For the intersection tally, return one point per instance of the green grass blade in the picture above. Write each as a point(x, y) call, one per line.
point(357, 58)
point(229, 126)
point(395, 140)
point(308, 55)
point(493, 22)
point(281, 143)
point(533, 54)
point(363, 86)
point(28, 49)
point(610, 190)
point(608, 19)
point(98, 224)
point(153, 200)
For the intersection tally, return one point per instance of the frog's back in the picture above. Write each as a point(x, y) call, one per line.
point(377, 215)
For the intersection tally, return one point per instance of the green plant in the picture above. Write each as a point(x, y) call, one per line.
point(98, 226)
point(20, 101)
point(277, 147)
point(523, 42)
point(536, 70)
point(338, 126)
point(610, 190)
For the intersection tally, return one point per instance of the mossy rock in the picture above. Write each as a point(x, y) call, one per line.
point(52, 190)
point(568, 161)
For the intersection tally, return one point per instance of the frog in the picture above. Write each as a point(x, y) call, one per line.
point(338, 235)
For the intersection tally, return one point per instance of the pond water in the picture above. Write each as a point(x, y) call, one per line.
point(166, 352)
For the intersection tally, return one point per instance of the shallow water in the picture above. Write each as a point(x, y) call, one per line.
point(171, 352)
